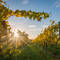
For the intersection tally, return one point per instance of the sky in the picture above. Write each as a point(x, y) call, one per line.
point(33, 28)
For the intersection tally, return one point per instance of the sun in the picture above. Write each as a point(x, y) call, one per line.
point(15, 33)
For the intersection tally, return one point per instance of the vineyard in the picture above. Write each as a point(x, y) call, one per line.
point(18, 46)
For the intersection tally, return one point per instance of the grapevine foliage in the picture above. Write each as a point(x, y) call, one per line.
point(50, 35)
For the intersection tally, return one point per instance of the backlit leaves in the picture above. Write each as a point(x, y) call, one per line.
point(49, 35)
point(6, 13)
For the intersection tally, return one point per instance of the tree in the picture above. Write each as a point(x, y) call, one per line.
point(50, 35)
point(23, 39)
